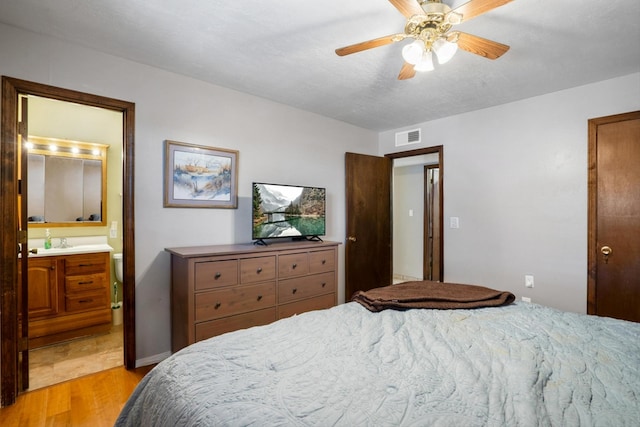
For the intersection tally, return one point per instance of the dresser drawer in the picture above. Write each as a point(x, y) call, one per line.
point(86, 264)
point(257, 269)
point(305, 287)
point(316, 303)
point(239, 299)
point(322, 261)
point(216, 274)
point(213, 328)
point(86, 301)
point(88, 282)
point(293, 265)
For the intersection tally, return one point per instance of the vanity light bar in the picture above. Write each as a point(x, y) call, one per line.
point(61, 149)
point(60, 146)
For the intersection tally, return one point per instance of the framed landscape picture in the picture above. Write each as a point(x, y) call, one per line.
point(197, 176)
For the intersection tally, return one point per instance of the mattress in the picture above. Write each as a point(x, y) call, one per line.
point(517, 365)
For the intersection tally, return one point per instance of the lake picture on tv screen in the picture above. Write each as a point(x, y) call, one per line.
point(287, 211)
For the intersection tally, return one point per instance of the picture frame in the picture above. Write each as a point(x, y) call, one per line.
point(198, 176)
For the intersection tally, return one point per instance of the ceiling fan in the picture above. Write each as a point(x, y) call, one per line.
point(428, 23)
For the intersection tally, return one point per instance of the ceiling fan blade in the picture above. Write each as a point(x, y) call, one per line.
point(370, 44)
point(483, 47)
point(408, 7)
point(406, 72)
point(474, 8)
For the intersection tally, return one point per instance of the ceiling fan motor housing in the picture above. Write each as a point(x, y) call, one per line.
point(430, 26)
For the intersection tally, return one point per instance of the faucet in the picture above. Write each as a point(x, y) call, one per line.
point(63, 243)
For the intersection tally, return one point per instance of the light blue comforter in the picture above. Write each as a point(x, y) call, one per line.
point(519, 365)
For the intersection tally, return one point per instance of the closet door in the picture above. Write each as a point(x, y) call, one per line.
point(614, 217)
point(368, 243)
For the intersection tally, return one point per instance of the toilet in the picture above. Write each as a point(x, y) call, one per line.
point(116, 306)
point(117, 259)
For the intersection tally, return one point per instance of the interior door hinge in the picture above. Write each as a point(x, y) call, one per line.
point(22, 236)
point(22, 128)
point(19, 187)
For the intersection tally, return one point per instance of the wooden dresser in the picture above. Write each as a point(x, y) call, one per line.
point(219, 289)
point(69, 296)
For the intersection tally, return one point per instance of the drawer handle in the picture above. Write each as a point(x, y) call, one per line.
point(324, 284)
point(294, 290)
point(86, 265)
point(259, 270)
point(217, 306)
point(82, 301)
point(324, 261)
point(85, 283)
point(217, 276)
point(294, 266)
point(259, 297)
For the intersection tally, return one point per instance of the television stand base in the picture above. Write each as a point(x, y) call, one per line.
point(260, 242)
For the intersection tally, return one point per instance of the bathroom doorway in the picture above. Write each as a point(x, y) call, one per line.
point(51, 123)
point(15, 349)
point(416, 212)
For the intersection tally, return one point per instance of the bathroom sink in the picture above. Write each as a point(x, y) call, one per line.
point(71, 250)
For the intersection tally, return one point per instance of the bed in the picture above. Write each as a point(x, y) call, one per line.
point(519, 364)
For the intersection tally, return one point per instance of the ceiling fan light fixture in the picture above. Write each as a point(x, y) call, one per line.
point(425, 63)
point(412, 53)
point(444, 50)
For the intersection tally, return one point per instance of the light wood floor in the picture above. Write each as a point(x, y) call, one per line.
point(72, 359)
point(93, 400)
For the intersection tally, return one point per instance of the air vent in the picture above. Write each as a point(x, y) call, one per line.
point(408, 137)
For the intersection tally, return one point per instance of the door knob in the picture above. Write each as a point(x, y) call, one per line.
point(351, 239)
point(606, 250)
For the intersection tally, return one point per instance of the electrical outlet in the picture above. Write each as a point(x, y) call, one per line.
point(528, 281)
point(526, 299)
point(454, 222)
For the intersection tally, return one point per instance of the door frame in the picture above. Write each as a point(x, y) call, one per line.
point(419, 152)
point(11, 88)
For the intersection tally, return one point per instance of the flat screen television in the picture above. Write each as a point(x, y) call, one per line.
point(287, 211)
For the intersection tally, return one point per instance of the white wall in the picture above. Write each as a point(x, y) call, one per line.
point(276, 143)
point(516, 176)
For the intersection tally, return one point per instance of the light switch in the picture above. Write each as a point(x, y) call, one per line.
point(528, 280)
point(410, 212)
point(454, 222)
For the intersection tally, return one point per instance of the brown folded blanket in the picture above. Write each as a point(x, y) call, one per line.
point(428, 294)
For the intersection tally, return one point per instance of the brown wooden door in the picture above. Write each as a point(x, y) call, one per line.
point(368, 206)
point(614, 216)
point(433, 230)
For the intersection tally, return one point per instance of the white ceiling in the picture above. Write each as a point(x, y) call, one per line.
point(284, 50)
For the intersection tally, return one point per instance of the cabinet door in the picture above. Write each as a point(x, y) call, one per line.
point(43, 287)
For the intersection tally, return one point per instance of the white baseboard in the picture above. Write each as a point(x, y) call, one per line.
point(156, 358)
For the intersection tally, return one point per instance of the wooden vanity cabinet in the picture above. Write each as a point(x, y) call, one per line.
point(69, 297)
point(219, 289)
point(43, 287)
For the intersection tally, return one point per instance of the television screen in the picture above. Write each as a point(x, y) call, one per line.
point(287, 211)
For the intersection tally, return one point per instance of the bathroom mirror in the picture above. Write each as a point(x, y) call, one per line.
point(66, 183)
